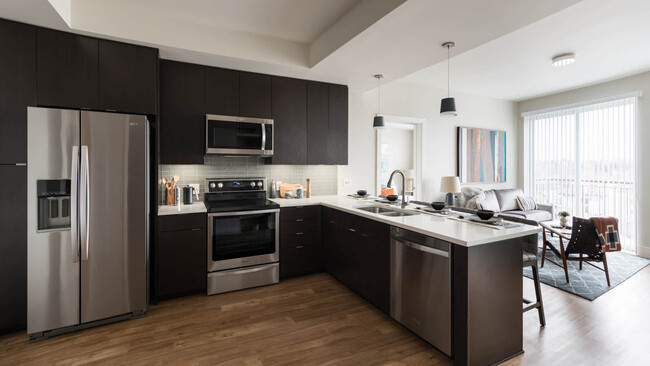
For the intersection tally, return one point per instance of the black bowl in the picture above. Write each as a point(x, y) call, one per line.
point(438, 205)
point(485, 214)
point(362, 192)
point(392, 197)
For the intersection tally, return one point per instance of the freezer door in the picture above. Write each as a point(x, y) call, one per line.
point(52, 251)
point(113, 214)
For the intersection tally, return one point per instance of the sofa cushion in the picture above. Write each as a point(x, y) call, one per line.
point(508, 198)
point(535, 215)
point(490, 202)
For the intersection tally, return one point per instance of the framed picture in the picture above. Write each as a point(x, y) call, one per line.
point(481, 155)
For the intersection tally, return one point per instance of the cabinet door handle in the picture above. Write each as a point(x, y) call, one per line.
point(366, 235)
point(300, 246)
point(354, 231)
point(196, 229)
point(298, 220)
point(299, 233)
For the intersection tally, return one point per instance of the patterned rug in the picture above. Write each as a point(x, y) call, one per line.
point(589, 282)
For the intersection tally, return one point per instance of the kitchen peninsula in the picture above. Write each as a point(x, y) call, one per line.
point(485, 269)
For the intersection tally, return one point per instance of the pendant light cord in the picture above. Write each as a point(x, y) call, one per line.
point(379, 99)
point(448, 77)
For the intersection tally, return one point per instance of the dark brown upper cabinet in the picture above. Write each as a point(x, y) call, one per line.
point(337, 132)
point(17, 88)
point(289, 121)
point(317, 122)
point(127, 77)
point(255, 98)
point(221, 91)
point(66, 70)
point(182, 113)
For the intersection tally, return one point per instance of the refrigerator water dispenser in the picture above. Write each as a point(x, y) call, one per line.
point(53, 204)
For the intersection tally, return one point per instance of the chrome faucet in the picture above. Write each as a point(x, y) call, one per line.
point(390, 180)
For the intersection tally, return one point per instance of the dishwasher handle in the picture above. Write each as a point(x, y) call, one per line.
point(420, 247)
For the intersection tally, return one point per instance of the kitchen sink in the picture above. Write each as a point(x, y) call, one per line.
point(398, 213)
point(386, 211)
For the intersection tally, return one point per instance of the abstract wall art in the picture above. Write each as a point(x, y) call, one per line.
point(481, 155)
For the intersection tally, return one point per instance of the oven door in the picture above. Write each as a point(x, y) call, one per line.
point(241, 239)
point(229, 135)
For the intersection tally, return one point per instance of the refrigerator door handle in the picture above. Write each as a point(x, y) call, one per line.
point(74, 234)
point(85, 203)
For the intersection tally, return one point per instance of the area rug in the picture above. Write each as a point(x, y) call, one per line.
point(589, 283)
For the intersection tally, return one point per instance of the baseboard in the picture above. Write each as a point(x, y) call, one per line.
point(643, 252)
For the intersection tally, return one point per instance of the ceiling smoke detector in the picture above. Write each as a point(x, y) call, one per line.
point(564, 59)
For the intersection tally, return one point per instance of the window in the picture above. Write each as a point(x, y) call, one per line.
point(582, 160)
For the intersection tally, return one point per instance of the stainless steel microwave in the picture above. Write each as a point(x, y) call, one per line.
point(229, 135)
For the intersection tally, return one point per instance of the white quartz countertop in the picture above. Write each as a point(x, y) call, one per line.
point(457, 232)
point(196, 207)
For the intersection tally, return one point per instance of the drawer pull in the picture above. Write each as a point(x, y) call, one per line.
point(300, 246)
point(354, 231)
point(298, 220)
point(366, 235)
point(196, 229)
point(298, 207)
point(299, 233)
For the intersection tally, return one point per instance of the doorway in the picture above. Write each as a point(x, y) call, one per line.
point(399, 147)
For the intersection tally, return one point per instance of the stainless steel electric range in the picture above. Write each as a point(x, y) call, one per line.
point(243, 235)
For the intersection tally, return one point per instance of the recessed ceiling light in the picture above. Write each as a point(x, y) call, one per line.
point(564, 59)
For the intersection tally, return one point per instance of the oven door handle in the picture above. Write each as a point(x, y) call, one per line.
point(243, 213)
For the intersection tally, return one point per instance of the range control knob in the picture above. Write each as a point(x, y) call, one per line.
point(212, 185)
point(220, 185)
point(252, 184)
point(259, 184)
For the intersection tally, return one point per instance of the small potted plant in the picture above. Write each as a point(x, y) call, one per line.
point(564, 218)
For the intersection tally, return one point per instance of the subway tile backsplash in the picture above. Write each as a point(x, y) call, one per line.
point(323, 177)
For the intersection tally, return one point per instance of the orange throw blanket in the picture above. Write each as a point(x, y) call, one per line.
point(607, 230)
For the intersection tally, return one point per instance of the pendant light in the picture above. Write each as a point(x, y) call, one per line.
point(448, 105)
point(378, 122)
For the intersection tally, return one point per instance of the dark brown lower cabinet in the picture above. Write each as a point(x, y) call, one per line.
point(13, 248)
point(181, 255)
point(300, 241)
point(357, 253)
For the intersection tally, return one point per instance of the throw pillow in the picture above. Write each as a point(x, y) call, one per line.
point(490, 202)
point(526, 203)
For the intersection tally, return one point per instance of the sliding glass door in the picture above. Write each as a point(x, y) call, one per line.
point(583, 161)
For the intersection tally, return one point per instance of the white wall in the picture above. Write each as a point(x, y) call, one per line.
point(640, 82)
point(439, 134)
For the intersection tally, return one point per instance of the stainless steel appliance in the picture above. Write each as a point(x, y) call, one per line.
point(228, 135)
point(420, 286)
point(87, 225)
point(243, 235)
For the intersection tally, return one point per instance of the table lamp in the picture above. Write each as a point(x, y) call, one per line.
point(450, 185)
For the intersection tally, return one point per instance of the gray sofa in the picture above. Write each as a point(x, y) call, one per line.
point(504, 203)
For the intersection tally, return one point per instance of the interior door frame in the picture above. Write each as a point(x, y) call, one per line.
point(418, 124)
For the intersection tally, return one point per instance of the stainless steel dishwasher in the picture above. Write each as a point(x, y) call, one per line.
point(420, 286)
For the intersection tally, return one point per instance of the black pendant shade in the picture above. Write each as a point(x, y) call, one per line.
point(378, 122)
point(447, 107)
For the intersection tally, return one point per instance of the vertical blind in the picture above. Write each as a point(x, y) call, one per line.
point(583, 161)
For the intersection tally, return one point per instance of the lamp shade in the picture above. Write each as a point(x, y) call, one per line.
point(378, 122)
point(448, 107)
point(450, 185)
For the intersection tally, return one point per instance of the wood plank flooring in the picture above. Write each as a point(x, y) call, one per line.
point(314, 320)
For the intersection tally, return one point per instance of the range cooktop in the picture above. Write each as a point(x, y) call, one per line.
point(237, 194)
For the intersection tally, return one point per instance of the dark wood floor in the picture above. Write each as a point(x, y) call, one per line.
point(316, 320)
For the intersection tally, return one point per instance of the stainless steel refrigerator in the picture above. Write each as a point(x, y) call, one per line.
point(87, 225)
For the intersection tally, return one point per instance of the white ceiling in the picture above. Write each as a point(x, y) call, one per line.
point(609, 38)
point(288, 20)
point(503, 47)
